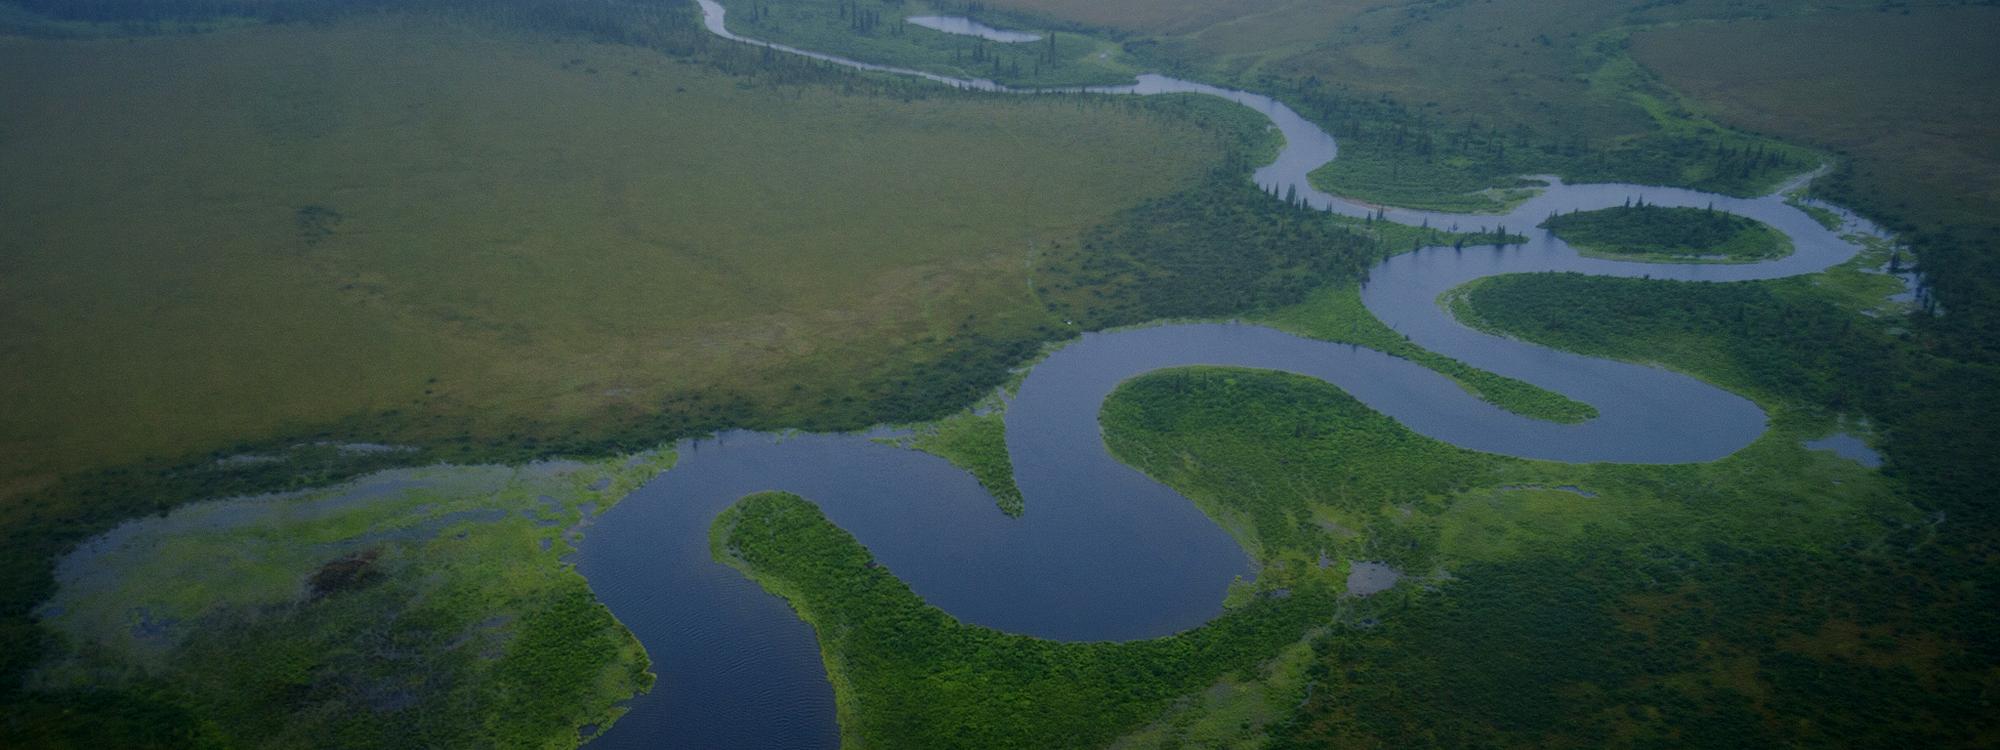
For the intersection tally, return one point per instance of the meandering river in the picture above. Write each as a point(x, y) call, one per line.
point(1104, 552)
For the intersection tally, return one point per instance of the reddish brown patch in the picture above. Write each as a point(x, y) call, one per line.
point(355, 571)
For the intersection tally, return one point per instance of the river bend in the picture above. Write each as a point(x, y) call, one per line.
point(1104, 552)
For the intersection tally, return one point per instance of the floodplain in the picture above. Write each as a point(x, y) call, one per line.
point(281, 256)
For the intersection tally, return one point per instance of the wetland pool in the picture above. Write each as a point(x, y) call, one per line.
point(967, 27)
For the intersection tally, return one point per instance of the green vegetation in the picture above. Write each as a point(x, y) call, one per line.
point(1899, 92)
point(1668, 235)
point(1895, 661)
point(1593, 645)
point(1699, 587)
point(976, 443)
point(908, 675)
point(1344, 464)
point(1390, 154)
point(426, 605)
point(373, 284)
point(1679, 321)
point(1449, 105)
point(399, 315)
point(874, 31)
point(1782, 596)
point(1237, 711)
point(1223, 249)
point(1557, 600)
point(1795, 339)
point(1826, 218)
point(1335, 313)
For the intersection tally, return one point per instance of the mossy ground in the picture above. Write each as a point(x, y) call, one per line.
point(417, 606)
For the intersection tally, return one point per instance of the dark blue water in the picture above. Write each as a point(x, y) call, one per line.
point(1849, 447)
point(1103, 552)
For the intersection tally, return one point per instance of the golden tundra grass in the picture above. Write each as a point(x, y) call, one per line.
point(528, 232)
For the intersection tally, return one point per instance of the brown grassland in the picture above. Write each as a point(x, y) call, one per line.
point(1897, 93)
point(248, 234)
point(1507, 63)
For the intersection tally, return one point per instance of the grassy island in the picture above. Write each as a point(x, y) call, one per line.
point(1669, 235)
point(977, 443)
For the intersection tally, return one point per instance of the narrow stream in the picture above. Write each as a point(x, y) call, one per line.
point(967, 27)
point(1104, 552)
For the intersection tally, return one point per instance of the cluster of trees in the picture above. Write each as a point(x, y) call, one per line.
point(862, 20)
point(1750, 336)
point(1220, 249)
point(1046, 54)
point(1932, 399)
point(1406, 158)
point(875, 32)
point(1269, 448)
point(1960, 255)
point(919, 678)
point(1654, 230)
point(1642, 629)
point(1538, 652)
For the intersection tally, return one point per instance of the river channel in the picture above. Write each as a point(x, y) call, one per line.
point(1104, 552)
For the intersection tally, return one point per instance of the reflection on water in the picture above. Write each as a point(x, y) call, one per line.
point(968, 27)
point(1104, 552)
